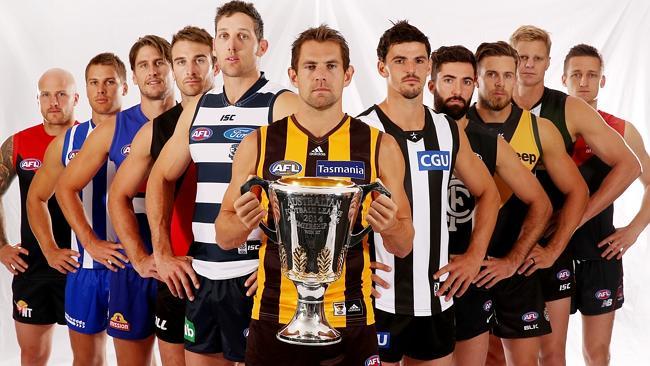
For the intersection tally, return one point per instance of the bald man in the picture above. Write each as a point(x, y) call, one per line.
point(38, 289)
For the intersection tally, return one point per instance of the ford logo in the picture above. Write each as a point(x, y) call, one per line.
point(238, 133)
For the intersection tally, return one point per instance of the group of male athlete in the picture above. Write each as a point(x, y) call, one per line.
point(499, 224)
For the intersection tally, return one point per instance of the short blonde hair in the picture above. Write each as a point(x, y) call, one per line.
point(529, 33)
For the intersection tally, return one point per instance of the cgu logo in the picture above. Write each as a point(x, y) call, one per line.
point(383, 339)
point(237, 134)
point(200, 134)
point(30, 164)
point(563, 275)
point(72, 154)
point(603, 294)
point(434, 160)
point(126, 149)
point(285, 167)
point(530, 316)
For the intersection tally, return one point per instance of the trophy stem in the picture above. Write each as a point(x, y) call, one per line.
point(309, 325)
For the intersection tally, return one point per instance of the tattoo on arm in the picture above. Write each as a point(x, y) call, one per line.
point(7, 174)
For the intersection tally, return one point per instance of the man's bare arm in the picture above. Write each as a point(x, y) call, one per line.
point(285, 105)
point(609, 147)
point(9, 255)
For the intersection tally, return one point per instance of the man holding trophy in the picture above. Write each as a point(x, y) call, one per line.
point(314, 217)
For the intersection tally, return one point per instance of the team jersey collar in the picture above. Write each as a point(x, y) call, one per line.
point(413, 136)
point(323, 138)
point(249, 93)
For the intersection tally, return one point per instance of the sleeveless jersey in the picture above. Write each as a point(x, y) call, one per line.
point(93, 196)
point(215, 134)
point(594, 171)
point(29, 147)
point(351, 144)
point(520, 130)
point(460, 215)
point(181, 222)
point(127, 125)
point(429, 156)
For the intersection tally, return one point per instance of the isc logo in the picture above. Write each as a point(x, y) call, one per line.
point(530, 316)
point(237, 134)
point(563, 275)
point(30, 164)
point(125, 150)
point(72, 154)
point(285, 167)
point(434, 160)
point(603, 294)
point(227, 117)
point(200, 134)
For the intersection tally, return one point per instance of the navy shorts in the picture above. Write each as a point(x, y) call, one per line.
point(131, 305)
point(599, 286)
point(474, 313)
point(86, 300)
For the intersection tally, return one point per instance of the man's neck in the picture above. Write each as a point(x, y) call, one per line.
point(594, 103)
point(526, 96)
point(491, 116)
point(319, 122)
point(99, 118)
point(54, 129)
point(407, 114)
point(462, 122)
point(153, 108)
point(236, 87)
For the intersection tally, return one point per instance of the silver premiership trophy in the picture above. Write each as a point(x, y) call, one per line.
point(314, 218)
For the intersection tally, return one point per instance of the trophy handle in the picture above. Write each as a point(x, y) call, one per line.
point(246, 187)
point(365, 189)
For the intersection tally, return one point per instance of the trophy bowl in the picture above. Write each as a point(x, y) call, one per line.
point(314, 219)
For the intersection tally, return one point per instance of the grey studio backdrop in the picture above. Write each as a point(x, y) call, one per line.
point(36, 35)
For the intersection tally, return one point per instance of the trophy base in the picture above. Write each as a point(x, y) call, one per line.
point(309, 326)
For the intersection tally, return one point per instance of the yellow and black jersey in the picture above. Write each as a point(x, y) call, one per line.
point(350, 150)
point(521, 131)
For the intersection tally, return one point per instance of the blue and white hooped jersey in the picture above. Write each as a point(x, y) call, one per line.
point(217, 129)
point(127, 125)
point(93, 195)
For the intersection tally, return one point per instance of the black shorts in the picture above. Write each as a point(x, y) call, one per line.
point(357, 347)
point(218, 318)
point(599, 287)
point(519, 308)
point(422, 338)
point(474, 313)
point(39, 300)
point(558, 281)
point(170, 314)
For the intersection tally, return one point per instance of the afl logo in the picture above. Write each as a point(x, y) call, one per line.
point(126, 149)
point(285, 167)
point(237, 134)
point(30, 164)
point(488, 305)
point(530, 316)
point(201, 133)
point(72, 154)
point(603, 294)
point(563, 275)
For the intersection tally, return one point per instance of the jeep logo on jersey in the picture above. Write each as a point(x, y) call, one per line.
point(126, 149)
point(434, 160)
point(527, 157)
point(530, 316)
point(72, 154)
point(346, 169)
point(460, 206)
point(30, 164)
point(285, 168)
point(563, 275)
point(237, 134)
point(603, 294)
point(201, 133)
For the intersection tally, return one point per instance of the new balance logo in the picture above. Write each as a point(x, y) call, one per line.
point(318, 151)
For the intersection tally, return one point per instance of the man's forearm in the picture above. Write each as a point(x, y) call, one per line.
point(126, 227)
point(41, 224)
point(642, 218)
point(532, 228)
point(485, 217)
point(614, 184)
point(73, 211)
point(3, 234)
point(398, 240)
point(567, 221)
point(159, 203)
point(231, 232)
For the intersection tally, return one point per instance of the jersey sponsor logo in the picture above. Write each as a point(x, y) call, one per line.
point(125, 150)
point(23, 309)
point(161, 323)
point(527, 157)
point(607, 303)
point(530, 316)
point(119, 322)
point(487, 306)
point(72, 154)
point(434, 160)
point(383, 340)
point(353, 307)
point(285, 168)
point(603, 294)
point(563, 275)
point(372, 361)
point(189, 332)
point(232, 151)
point(237, 133)
point(341, 168)
point(75, 322)
point(30, 164)
point(317, 151)
point(461, 205)
point(227, 117)
point(339, 308)
point(200, 134)
point(248, 247)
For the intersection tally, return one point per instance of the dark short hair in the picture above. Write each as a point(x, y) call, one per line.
point(447, 54)
point(108, 59)
point(159, 43)
point(196, 35)
point(583, 50)
point(500, 48)
point(236, 6)
point(400, 32)
point(320, 34)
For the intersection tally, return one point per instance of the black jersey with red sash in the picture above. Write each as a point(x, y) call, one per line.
point(29, 147)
